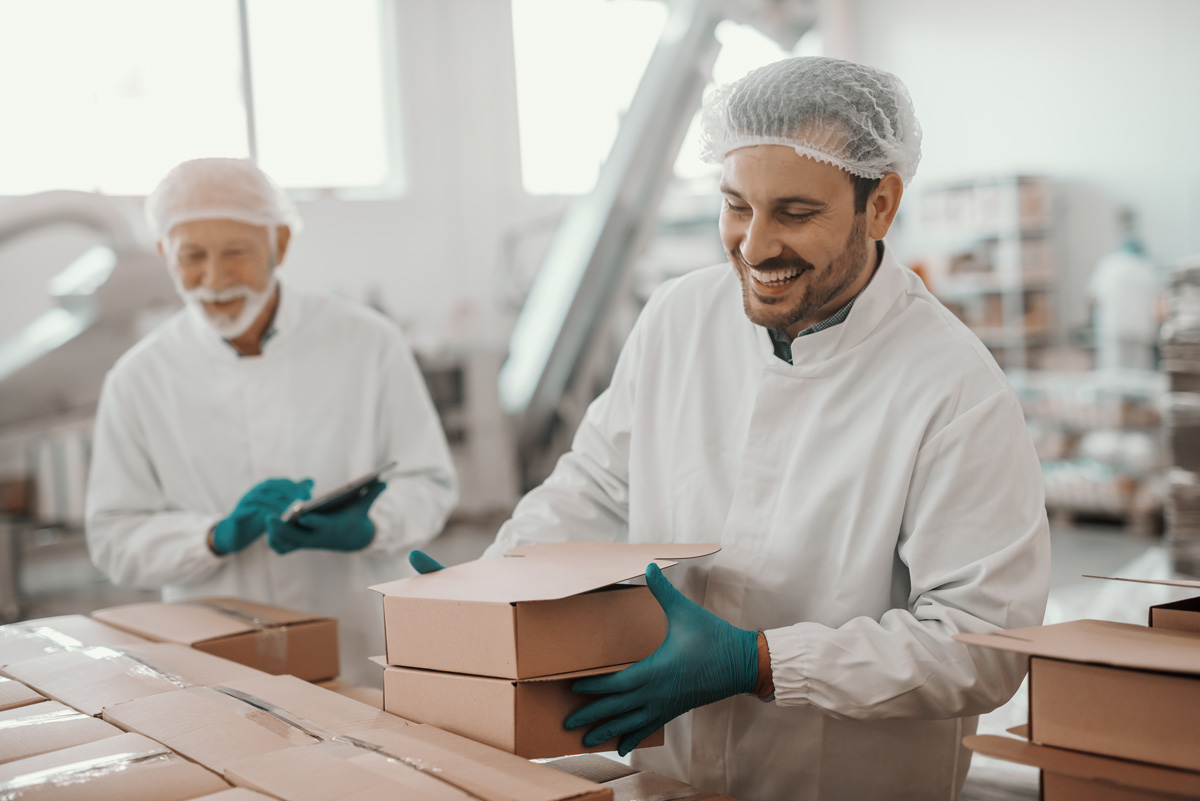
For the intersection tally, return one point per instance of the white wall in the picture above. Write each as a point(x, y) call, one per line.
point(1102, 95)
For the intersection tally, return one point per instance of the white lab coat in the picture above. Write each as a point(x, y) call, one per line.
point(871, 501)
point(185, 428)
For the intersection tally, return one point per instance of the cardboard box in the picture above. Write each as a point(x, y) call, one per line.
point(1181, 615)
point(47, 635)
point(220, 725)
point(1112, 689)
point(238, 794)
point(39, 728)
point(520, 716)
point(478, 769)
point(14, 694)
point(371, 696)
point(90, 679)
point(539, 611)
point(1073, 776)
point(127, 767)
point(268, 638)
point(628, 783)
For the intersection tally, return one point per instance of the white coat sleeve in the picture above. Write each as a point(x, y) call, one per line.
point(586, 497)
point(412, 510)
point(975, 542)
point(134, 536)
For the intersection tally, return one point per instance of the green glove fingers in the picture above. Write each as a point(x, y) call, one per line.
point(702, 660)
point(346, 529)
point(248, 521)
point(424, 563)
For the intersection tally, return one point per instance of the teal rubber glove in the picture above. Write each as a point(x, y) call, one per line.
point(248, 521)
point(424, 563)
point(347, 529)
point(702, 660)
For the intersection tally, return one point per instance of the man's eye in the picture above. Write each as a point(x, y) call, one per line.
point(799, 217)
point(736, 209)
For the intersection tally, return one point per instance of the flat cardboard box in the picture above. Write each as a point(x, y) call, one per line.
point(90, 679)
point(1181, 615)
point(371, 696)
point(267, 638)
point(220, 725)
point(629, 784)
point(480, 770)
point(238, 794)
point(1073, 776)
point(538, 611)
point(14, 694)
point(39, 728)
point(32, 638)
point(127, 767)
point(521, 716)
point(1113, 689)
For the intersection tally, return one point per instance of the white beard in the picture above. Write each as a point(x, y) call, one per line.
point(229, 327)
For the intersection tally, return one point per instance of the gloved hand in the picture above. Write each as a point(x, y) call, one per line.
point(702, 660)
point(248, 521)
point(347, 529)
point(423, 562)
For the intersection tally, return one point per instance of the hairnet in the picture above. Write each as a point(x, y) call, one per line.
point(849, 115)
point(218, 189)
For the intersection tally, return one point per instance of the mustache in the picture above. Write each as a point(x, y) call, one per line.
point(205, 295)
point(783, 262)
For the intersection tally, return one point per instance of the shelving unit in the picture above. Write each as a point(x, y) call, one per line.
point(987, 249)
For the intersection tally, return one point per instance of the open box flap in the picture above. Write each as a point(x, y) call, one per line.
point(1087, 766)
point(543, 572)
point(1191, 584)
point(1100, 641)
point(573, 674)
point(200, 619)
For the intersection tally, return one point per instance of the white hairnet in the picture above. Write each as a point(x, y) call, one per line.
point(849, 115)
point(218, 189)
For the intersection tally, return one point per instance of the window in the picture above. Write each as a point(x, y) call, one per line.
point(109, 96)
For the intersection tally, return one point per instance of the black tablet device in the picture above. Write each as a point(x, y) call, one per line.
point(335, 499)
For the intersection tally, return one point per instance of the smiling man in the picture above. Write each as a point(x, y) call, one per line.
point(256, 395)
point(850, 444)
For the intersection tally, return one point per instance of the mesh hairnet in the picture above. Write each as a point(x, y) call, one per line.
point(218, 189)
point(849, 115)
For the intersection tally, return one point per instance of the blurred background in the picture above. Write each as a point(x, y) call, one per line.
point(508, 180)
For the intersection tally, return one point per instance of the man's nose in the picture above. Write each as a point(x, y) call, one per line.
point(760, 242)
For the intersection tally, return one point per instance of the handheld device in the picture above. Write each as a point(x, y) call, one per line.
point(337, 498)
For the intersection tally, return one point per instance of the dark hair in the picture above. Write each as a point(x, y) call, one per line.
point(863, 187)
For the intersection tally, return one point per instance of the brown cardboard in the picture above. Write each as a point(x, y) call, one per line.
point(628, 783)
point(480, 770)
point(38, 728)
point(268, 638)
point(32, 638)
point(238, 794)
point(1178, 615)
point(1113, 689)
point(371, 696)
point(1073, 776)
point(538, 611)
point(593, 767)
point(127, 767)
point(341, 771)
point(90, 679)
point(520, 716)
point(224, 724)
point(14, 694)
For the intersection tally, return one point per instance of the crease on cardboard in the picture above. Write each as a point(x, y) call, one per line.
point(270, 637)
point(84, 770)
point(412, 762)
point(313, 730)
point(138, 666)
point(57, 716)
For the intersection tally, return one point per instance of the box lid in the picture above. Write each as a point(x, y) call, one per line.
point(199, 619)
point(1103, 642)
point(14, 694)
point(311, 705)
point(572, 674)
point(1087, 766)
point(30, 638)
point(543, 572)
point(1195, 585)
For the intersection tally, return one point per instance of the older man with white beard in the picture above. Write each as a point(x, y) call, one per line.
point(256, 395)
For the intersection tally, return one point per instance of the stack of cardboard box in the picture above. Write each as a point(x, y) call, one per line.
point(1114, 708)
point(490, 649)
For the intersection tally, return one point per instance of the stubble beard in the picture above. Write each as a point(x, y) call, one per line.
point(843, 271)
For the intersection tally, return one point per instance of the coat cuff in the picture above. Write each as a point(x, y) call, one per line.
point(791, 664)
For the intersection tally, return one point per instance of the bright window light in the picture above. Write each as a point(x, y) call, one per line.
point(319, 115)
point(578, 64)
point(108, 96)
point(743, 48)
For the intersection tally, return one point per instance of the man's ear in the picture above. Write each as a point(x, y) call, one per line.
point(883, 205)
point(283, 236)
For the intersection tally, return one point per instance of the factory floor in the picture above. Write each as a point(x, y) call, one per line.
point(57, 578)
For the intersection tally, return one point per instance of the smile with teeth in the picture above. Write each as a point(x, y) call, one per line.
point(775, 277)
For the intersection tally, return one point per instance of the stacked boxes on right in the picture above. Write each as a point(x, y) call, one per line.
point(1114, 708)
point(1180, 345)
point(489, 649)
